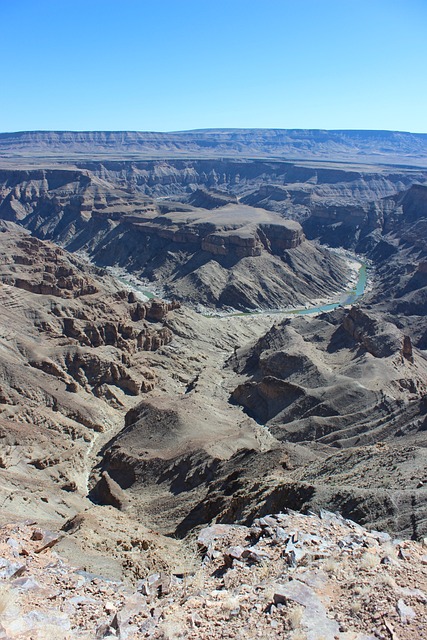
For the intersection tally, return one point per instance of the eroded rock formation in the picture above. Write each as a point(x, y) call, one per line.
point(191, 250)
point(74, 359)
point(241, 417)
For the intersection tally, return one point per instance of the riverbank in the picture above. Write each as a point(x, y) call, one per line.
point(354, 290)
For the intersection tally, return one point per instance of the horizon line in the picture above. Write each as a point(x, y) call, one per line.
point(211, 129)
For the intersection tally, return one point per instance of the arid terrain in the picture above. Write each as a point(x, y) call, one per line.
point(129, 423)
point(394, 147)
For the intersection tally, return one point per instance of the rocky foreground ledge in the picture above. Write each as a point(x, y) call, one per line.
point(287, 576)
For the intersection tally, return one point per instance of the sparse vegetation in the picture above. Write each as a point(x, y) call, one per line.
point(369, 561)
point(295, 617)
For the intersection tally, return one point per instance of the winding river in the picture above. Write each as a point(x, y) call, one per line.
point(347, 297)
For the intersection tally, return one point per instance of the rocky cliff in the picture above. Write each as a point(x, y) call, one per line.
point(74, 349)
point(365, 146)
point(231, 255)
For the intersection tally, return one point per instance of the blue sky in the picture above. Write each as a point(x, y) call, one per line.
point(165, 65)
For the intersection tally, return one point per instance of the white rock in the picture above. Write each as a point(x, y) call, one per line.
point(405, 612)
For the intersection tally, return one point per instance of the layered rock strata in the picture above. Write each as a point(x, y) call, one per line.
point(363, 146)
point(231, 255)
point(74, 350)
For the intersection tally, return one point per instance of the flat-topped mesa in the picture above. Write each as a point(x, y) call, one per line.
point(231, 230)
point(274, 238)
point(222, 244)
point(287, 235)
point(356, 145)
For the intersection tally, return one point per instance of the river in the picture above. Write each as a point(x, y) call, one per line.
point(347, 297)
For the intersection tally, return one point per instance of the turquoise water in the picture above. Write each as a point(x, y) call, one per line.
point(148, 294)
point(348, 297)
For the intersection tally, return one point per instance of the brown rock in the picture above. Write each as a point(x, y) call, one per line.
point(110, 492)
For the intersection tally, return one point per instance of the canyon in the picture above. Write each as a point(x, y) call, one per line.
point(128, 423)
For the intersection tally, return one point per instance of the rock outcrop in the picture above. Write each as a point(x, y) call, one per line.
point(284, 575)
point(52, 272)
point(232, 230)
point(74, 360)
point(190, 250)
point(380, 338)
point(124, 336)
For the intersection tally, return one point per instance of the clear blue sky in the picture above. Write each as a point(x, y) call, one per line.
point(165, 65)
